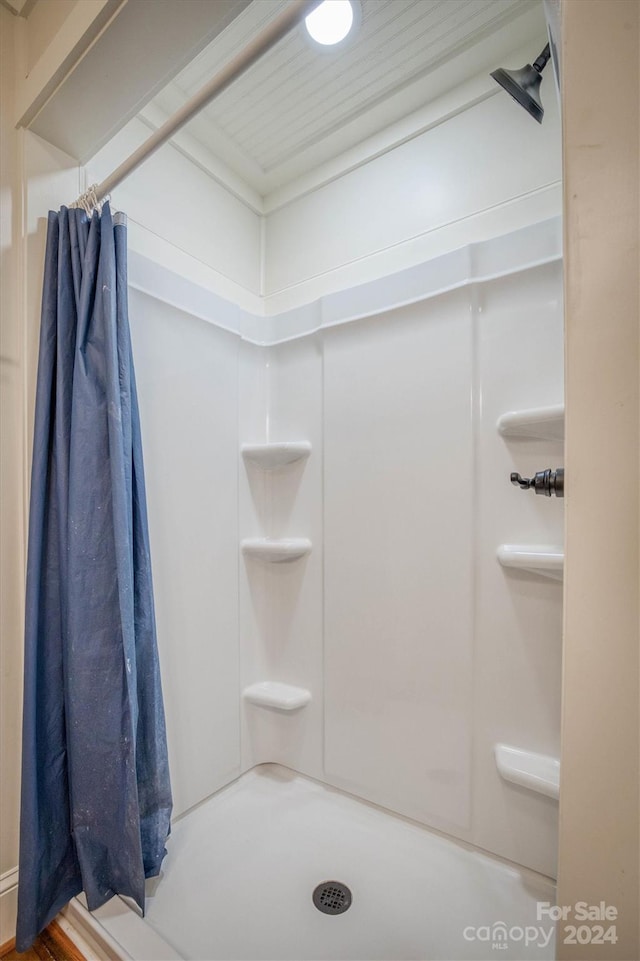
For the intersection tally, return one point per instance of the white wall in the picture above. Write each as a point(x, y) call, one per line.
point(486, 170)
point(432, 652)
point(187, 375)
point(11, 484)
point(183, 219)
point(281, 605)
point(398, 559)
point(518, 615)
point(600, 789)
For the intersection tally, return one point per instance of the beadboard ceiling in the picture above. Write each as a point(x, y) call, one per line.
point(301, 105)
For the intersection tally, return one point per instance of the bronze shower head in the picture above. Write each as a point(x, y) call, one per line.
point(524, 84)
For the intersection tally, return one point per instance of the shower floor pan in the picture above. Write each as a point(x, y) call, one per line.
point(239, 878)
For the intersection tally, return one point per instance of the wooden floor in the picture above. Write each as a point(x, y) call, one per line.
point(52, 945)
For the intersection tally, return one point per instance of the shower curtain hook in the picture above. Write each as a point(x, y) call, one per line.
point(88, 201)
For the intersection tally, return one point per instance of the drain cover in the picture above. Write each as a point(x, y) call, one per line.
point(332, 897)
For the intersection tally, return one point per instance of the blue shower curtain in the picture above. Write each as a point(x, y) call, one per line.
point(96, 798)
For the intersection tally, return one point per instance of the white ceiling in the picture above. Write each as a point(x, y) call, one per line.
point(301, 105)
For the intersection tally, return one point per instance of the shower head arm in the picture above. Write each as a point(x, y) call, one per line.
point(541, 62)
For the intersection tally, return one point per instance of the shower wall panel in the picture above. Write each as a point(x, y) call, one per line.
point(187, 373)
point(281, 604)
point(398, 483)
point(418, 650)
point(435, 653)
point(519, 613)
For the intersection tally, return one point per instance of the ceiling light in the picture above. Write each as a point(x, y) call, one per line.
point(330, 22)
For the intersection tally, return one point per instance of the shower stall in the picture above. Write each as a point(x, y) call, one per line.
point(346, 338)
point(355, 605)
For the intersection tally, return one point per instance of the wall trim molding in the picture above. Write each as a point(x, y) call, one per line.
point(475, 263)
point(8, 907)
point(8, 881)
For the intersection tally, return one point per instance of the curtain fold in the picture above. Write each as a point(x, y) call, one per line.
point(96, 796)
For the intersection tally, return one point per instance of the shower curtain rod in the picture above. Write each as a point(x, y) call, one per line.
point(293, 13)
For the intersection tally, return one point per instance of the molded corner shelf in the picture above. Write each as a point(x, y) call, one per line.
point(273, 694)
point(547, 561)
point(537, 772)
point(276, 551)
point(540, 423)
point(272, 456)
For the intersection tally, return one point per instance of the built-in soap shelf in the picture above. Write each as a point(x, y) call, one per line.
point(537, 423)
point(537, 772)
point(535, 558)
point(272, 456)
point(276, 551)
point(277, 696)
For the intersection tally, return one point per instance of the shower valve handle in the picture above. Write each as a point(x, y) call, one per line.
point(545, 482)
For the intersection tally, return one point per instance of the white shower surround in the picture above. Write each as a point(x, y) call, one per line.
point(419, 651)
point(517, 251)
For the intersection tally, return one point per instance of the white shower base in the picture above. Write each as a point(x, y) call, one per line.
point(241, 869)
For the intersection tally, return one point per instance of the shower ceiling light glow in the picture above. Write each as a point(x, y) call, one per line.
point(330, 22)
